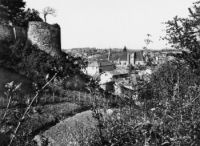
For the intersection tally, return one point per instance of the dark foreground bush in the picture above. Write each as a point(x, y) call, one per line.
point(169, 113)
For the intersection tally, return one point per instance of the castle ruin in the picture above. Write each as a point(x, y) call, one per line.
point(45, 36)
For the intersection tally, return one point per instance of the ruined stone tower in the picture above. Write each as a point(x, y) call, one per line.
point(6, 31)
point(4, 17)
point(10, 33)
point(45, 36)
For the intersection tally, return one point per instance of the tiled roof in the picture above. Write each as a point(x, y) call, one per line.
point(104, 63)
point(122, 56)
point(118, 72)
point(101, 63)
point(118, 55)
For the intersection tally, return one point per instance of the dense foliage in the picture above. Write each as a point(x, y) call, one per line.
point(183, 34)
point(18, 120)
point(166, 112)
point(167, 108)
point(26, 59)
point(15, 7)
point(35, 64)
point(28, 15)
point(17, 13)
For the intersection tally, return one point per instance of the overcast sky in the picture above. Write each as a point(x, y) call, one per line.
point(112, 23)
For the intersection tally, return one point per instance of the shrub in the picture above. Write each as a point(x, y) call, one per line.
point(168, 114)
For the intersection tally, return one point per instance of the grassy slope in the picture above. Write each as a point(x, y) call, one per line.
point(73, 130)
point(44, 116)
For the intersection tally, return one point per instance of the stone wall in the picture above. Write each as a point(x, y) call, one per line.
point(6, 33)
point(12, 33)
point(20, 33)
point(45, 36)
point(4, 17)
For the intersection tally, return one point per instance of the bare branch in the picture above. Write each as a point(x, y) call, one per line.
point(48, 11)
point(28, 108)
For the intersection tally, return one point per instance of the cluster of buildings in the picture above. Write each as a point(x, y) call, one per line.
point(113, 70)
point(118, 72)
point(117, 60)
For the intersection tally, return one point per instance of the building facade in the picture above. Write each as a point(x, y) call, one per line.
point(97, 67)
point(126, 58)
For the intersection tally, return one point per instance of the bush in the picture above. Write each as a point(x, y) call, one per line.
point(37, 65)
point(169, 113)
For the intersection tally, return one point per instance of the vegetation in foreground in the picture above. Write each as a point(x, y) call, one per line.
point(169, 101)
point(168, 105)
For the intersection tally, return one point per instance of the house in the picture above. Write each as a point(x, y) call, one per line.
point(108, 79)
point(126, 58)
point(97, 67)
point(119, 82)
point(123, 89)
point(110, 76)
point(145, 74)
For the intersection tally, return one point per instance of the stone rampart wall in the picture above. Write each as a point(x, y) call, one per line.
point(45, 36)
point(12, 33)
point(6, 33)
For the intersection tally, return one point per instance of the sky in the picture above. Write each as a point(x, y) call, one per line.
point(112, 23)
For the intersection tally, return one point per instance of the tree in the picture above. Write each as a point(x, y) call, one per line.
point(148, 40)
point(18, 15)
point(15, 8)
point(28, 60)
point(30, 15)
point(173, 97)
point(183, 34)
point(148, 57)
point(48, 11)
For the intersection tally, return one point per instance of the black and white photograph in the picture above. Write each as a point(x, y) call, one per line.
point(99, 72)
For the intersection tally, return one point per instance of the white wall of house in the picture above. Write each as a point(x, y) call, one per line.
point(118, 90)
point(145, 74)
point(97, 67)
point(92, 70)
point(105, 78)
point(132, 59)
